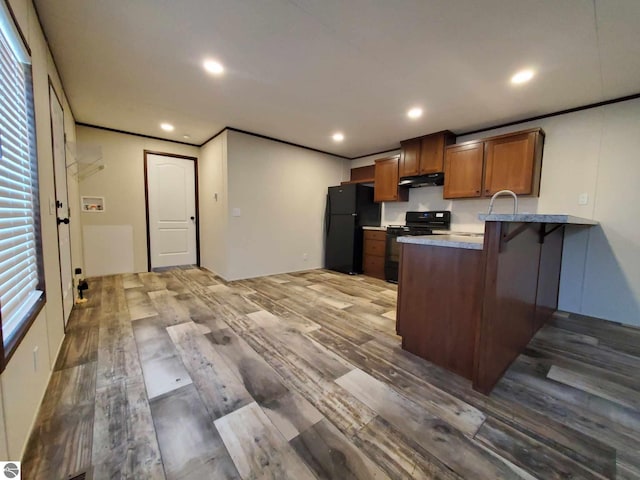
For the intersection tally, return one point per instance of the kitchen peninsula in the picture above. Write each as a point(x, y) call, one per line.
point(471, 304)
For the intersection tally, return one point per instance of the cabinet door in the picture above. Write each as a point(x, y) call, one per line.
point(374, 250)
point(386, 183)
point(510, 164)
point(432, 151)
point(410, 158)
point(362, 174)
point(374, 247)
point(373, 266)
point(463, 170)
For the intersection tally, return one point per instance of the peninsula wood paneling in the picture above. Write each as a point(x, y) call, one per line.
point(508, 312)
point(443, 314)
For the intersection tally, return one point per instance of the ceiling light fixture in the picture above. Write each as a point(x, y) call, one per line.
point(338, 137)
point(414, 112)
point(167, 127)
point(186, 137)
point(523, 76)
point(213, 67)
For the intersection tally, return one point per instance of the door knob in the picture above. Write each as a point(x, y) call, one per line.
point(63, 220)
point(192, 218)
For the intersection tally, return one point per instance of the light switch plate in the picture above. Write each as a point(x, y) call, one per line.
point(583, 199)
point(52, 206)
point(235, 212)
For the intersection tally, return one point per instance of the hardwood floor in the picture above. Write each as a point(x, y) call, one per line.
point(180, 375)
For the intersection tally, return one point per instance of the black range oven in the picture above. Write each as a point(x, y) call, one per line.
point(416, 223)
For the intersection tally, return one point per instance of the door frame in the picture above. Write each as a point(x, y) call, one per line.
point(52, 88)
point(146, 200)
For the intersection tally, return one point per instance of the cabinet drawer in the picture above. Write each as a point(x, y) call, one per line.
point(374, 247)
point(374, 266)
point(375, 235)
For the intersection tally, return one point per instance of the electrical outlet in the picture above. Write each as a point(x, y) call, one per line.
point(305, 256)
point(583, 199)
point(235, 212)
point(35, 359)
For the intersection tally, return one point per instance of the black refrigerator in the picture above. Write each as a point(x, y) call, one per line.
point(349, 208)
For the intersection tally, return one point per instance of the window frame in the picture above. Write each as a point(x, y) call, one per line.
point(30, 316)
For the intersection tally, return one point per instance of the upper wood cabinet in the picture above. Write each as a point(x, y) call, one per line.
point(463, 165)
point(513, 162)
point(506, 162)
point(386, 182)
point(410, 157)
point(364, 174)
point(432, 151)
point(423, 155)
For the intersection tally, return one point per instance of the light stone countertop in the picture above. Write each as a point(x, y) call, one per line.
point(457, 232)
point(451, 241)
point(380, 229)
point(536, 218)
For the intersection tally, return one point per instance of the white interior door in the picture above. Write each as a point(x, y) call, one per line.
point(171, 191)
point(62, 201)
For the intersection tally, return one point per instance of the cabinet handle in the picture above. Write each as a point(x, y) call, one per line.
point(477, 191)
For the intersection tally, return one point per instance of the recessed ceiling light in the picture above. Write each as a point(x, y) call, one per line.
point(186, 137)
point(338, 137)
point(523, 76)
point(167, 127)
point(415, 112)
point(213, 67)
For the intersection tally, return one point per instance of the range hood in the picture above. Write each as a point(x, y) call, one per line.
point(427, 180)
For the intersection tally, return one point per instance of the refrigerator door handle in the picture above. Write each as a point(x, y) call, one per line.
point(327, 214)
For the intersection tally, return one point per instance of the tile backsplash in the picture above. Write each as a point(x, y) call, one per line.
point(464, 212)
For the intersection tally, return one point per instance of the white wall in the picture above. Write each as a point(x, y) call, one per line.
point(213, 199)
point(280, 191)
point(22, 384)
point(122, 184)
point(611, 286)
point(594, 151)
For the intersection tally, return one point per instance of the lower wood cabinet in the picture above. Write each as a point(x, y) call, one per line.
point(374, 249)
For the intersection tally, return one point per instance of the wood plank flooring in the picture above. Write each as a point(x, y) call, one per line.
point(180, 375)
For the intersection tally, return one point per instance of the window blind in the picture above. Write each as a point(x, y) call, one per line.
point(18, 188)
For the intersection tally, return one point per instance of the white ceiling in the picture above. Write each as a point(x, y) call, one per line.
point(299, 70)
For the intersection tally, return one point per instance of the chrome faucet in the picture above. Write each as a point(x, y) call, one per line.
point(504, 192)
